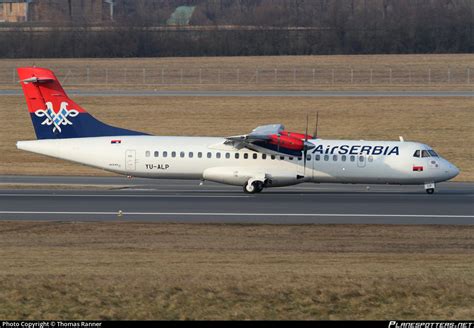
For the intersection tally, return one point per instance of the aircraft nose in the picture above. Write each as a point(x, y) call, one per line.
point(453, 171)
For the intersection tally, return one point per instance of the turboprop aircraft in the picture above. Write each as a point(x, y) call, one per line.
point(269, 156)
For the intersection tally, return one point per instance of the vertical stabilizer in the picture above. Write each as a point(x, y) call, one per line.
point(54, 114)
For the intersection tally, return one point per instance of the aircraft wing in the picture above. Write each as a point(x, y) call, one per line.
point(262, 132)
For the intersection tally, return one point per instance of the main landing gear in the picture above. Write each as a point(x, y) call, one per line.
point(430, 188)
point(253, 187)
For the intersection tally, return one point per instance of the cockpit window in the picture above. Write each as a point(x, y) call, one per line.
point(433, 153)
point(425, 153)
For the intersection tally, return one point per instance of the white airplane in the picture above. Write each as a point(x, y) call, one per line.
point(267, 157)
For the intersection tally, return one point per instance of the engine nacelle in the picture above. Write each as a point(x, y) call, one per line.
point(287, 142)
point(296, 135)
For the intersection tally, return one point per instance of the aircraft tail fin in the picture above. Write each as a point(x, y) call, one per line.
point(54, 114)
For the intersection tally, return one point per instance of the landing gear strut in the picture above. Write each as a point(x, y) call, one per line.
point(254, 187)
point(429, 188)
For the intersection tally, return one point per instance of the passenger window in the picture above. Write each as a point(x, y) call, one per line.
point(273, 156)
point(147, 153)
point(334, 158)
point(264, 156)
point(156, 154)
point(343, 158)
point(173, 154)
point(199, 155)
point(190, 154)
point(361, 158)
point(353, 158)
point(227, 155)
point(282, 158)
point(417, 153)
point(246, 155)
point(317, 157)
point(165, 154)
point(424, 153)
point(237, 155)
point(182, 154)
point(308, 157)
point(326, 157)
point(254, 156)
point(218, 155)
point(290, 158)
point(209, 155)
point(370, 159)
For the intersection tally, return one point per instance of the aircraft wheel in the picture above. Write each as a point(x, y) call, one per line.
point(430, 191)
point(258, 186)
point(248, 188)
point(254, 187)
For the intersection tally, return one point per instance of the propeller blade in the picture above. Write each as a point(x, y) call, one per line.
point(306, 131)
point(315, 134)
point(305, 149)
point(304, 160)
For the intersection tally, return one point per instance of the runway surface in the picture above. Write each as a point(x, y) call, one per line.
point(283, 93)
point(121, 199)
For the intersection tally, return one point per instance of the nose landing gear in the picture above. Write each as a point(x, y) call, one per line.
point(430, 188)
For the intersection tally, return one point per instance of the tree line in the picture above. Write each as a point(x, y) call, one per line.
point(279, 27)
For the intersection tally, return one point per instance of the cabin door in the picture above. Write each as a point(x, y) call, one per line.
point(130, 160)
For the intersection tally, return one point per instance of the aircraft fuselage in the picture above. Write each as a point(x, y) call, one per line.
point(206, 158)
